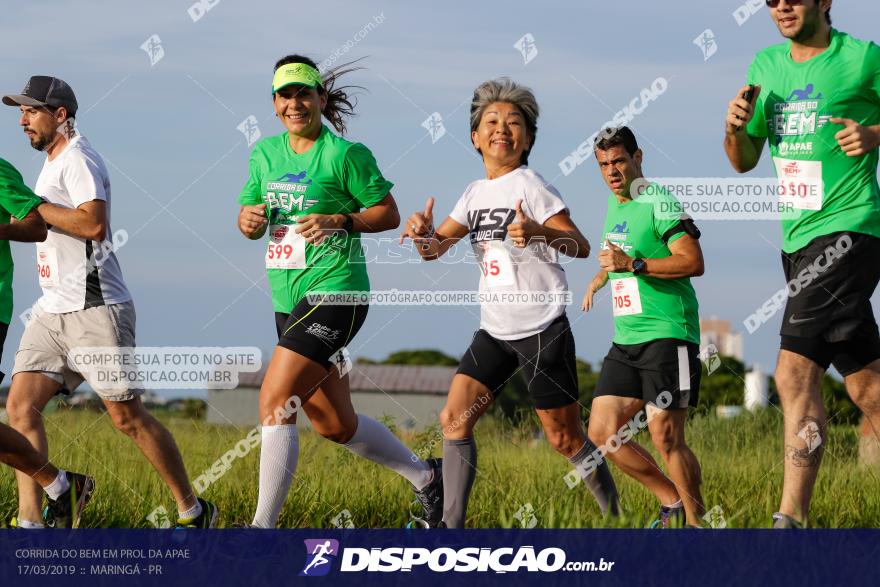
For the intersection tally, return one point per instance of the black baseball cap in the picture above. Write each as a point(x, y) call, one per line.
point(44, 90)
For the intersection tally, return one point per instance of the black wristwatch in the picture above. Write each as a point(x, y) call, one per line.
point(348, 225)
point(639, 266)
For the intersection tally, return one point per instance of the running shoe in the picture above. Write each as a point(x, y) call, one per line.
point(65, 511)
point(781, 521)
point(207, 519)
point(431, 497)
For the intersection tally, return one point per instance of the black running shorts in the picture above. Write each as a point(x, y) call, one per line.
point(318, 332)
point(665, 372)
point(546, 361)
point(828, 315)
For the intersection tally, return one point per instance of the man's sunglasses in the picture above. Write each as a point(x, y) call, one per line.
point(775, 3)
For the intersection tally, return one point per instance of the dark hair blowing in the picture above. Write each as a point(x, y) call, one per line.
point(340, 101)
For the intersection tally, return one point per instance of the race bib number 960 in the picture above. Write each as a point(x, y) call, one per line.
point(47, 265)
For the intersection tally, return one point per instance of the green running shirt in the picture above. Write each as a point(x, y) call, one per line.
point(648, 308)
point(335, 176)
point(793, 111)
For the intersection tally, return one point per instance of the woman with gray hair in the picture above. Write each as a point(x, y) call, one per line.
point(518, 225)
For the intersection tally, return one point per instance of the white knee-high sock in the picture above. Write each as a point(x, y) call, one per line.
point(375, 442)
point(278, 456)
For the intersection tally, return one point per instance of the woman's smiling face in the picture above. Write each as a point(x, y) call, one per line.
point(299, 109)
point(501, 136)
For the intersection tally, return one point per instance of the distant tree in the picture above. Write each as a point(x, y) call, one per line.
point(725, 386)
point(194, 409)
point(415, 357)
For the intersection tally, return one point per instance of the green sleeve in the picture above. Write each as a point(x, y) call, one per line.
point(872, 72)
point(362, 178)
point(664, 222)
point(757, 126)
point(252, 192)
point(15, 197)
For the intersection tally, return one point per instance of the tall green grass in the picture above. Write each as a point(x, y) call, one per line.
point(741, 460)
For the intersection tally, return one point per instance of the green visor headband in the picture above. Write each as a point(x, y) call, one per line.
point(296, 73)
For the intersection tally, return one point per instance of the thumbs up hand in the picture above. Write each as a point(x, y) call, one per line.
point(420, 226)
point(523, 229)
point(613, 260)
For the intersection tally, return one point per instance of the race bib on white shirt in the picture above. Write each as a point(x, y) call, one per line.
point(47, 265)
point(625, 297)
point(497, 265)
point(800, 183)
point(286, 249)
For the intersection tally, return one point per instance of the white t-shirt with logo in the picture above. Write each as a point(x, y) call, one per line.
point(487, 207)
point(77, 273)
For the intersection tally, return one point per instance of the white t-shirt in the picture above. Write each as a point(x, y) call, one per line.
point(76, 273)
point(487, 207)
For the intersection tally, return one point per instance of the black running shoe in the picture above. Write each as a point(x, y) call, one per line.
point(207, 519)
point(65, 511)
point(431, 497)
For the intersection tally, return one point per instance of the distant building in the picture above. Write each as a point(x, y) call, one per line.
point(412, 394)
point(718, 333)
point(757, 390)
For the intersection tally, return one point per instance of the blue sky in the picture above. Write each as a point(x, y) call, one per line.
point(177, 161)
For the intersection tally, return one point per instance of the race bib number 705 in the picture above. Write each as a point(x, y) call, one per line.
point(625, 297)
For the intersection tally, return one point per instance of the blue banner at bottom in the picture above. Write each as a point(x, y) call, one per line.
point(438, 557)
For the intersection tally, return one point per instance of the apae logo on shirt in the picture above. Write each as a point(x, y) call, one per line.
point(487, 224)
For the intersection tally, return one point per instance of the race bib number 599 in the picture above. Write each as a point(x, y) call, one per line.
point(286, 249)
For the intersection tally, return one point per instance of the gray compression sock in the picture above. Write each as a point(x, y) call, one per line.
point(459, 471)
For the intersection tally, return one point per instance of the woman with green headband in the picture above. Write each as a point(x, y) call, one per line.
point(315, 193)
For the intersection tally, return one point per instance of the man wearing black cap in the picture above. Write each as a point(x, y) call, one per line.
point(85, 303)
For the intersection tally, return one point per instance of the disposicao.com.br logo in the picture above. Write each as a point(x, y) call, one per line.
point(464, 560)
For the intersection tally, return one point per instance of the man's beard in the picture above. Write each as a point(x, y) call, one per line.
point(40, 143)
point(808, 28)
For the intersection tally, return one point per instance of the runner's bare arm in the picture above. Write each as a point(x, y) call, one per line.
point(743, 150)
point(595, 285)
point(686, 260)
point(30, 229)
point(561, 233)
point(377, 218)
point(89, 221)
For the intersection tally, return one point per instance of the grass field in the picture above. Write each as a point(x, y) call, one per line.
point(741, 460)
